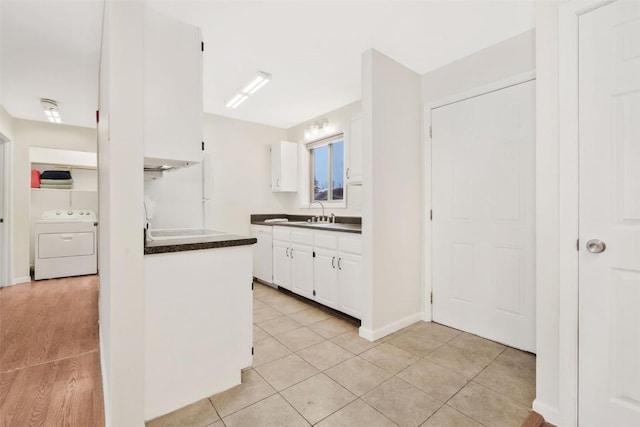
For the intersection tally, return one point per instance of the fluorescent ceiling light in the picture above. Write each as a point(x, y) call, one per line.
point(233, 100)
point(251, 87)
point(240, 101)
point(262, 83)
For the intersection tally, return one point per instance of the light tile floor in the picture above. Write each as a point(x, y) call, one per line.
point(311, 368)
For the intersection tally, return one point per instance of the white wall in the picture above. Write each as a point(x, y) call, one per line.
point(28, 133)
point(6, 128)
point(555, 372)
point(120, 167)
point(392, 198)
point(498, 62)
point(339, 121)
point(240, 181)
point(241, 166)
point(176, 198)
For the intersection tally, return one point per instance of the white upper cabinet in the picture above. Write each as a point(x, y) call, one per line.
point(353, 171)
point(284, 166)
point(173, 91)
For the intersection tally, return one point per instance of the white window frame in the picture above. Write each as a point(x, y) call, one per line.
point(319, 143)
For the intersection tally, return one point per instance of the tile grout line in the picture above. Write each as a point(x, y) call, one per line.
point(420, 357)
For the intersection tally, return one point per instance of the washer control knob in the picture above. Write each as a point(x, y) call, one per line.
point(58, 213)
point(69, 212)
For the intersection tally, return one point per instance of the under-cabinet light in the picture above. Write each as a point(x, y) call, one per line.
point(249, 88)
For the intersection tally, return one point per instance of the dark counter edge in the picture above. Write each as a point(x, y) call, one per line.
point(259, 220)
point(229, 241)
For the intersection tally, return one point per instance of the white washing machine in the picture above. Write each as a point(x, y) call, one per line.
point(66, 244)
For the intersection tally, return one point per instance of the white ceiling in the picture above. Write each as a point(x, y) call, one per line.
point(312, 49)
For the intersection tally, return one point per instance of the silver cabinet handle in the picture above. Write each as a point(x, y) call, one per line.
point(595, 246)
point(287, 252)
point(291, 253)
point(339, 266)
point(333, 259)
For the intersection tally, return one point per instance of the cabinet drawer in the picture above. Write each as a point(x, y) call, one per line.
point(351, 244)
point(281, 233)
point(304, 237)
point(326, 239)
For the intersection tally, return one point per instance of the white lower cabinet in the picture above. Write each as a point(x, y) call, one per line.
point(281, 267)
point(350, 284)
point(302, 270)
point(324, 266)
point(293, 260)
point(338, 271)
point(325, 277)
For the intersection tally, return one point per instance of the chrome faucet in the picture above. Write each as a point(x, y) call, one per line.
point(316, 201)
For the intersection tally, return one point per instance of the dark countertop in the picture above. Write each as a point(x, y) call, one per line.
point(343, 224)
point(196, 243)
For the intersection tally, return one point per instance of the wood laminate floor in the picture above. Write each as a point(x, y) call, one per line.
point(49, 354)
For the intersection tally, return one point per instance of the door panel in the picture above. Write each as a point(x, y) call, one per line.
point(483, 155)
point(325, 277)
point(609, 296)
point(350, 284)
point(281, 265)
point(302, 270)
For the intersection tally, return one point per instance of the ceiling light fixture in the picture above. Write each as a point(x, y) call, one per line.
point(50, 108)
point(251, 87)
point(317, 128)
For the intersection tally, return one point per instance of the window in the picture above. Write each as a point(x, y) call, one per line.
point(327, 170)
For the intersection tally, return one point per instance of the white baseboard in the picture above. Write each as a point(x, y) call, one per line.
point(390, 328)
point(550, 413)
point(19, 280)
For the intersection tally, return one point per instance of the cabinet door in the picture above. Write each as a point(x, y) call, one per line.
point(350, 284)
point(281, 264)
point(173, 89)
point(302, 270)
point(275, 167)
point(284, 166)
point(325, 277)
point(353, 172)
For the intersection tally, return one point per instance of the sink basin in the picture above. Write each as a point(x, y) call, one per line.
point(180, 233)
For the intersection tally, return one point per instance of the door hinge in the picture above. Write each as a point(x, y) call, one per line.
point(431, 297)
point(314, 254)
point(252, 351)
point(252, 285)
point(202, 46)
point(202, 145)
point(314, 292)
point(97, 116)
point(578, 245)
point(430, 131)
point(431, 215)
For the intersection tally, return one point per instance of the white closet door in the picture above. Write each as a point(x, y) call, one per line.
point(609, 132)
point(483, 249)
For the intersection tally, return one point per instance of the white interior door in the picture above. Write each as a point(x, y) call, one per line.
point(609, 132)
point(483, 244)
